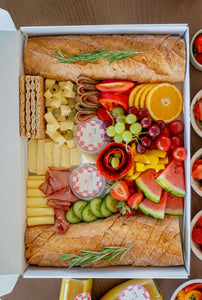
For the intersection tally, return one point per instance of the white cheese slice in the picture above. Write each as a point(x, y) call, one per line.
point(32, 155)
point(65, 159)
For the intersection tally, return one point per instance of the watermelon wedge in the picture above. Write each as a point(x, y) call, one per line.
point(172, 178)
point(174, 205)
point(155, 210)
point(146, 182)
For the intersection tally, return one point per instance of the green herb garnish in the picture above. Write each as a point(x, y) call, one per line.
point(106, 254)
point(97, 54)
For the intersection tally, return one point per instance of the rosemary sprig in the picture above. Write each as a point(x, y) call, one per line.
point(97, 54)
point(106, 254)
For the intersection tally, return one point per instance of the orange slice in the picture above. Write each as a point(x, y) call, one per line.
point(131, 100)
point(164, 102)
point(139, 94)
point(144, 95)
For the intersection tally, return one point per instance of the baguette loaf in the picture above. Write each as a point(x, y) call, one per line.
point(162, 58)
point(154, 242)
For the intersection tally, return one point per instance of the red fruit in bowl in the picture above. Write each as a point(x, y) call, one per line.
point(197, 235)
point(199, 222)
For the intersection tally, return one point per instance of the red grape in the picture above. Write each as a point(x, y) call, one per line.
point(176, 141)
point(161, 124)
point(133, 110)
point(145, 122)
point(166, 131)
point(146, 141)
point(143, 113)
point(163, 143)
point(106, 124)
point(153, 131)
point(140, 148)
point(176, 127)
point(106, 137)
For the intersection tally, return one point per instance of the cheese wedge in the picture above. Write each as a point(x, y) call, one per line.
point(40, 211)
point(35, 193)
point(65, 159)
point(44, 220)
point(32, 155)
point(75, 157)
point(41, 166)
point(57, 153)
point(36, 202)
point(49, 154)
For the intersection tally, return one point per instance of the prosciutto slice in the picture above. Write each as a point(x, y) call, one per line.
point(61, 225)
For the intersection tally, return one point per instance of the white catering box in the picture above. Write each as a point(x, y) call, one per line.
point(13, 155)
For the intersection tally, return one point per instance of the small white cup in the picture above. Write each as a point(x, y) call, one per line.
point(194, 123)
point(194, 183)
point(192, 57)
point(183, 286)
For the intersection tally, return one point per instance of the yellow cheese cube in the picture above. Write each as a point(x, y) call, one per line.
point(49, 109)
point(36, 202)
point(65, 110)
point(65, 159)
point(49, 83)
point(57, 153)
point(49, 154)
point(68, 93)
point(44, 220)
point(66, 85)
point(34, 184)
point(57, 137)
point(35, 193)
point(55, 103)
point(48, 94)
point(61, 119)
point(75, 157)
point(66, 125)
point(49, 117)
point(70, 144)
point(64, 101)
point(32, 155)
point(40, 211)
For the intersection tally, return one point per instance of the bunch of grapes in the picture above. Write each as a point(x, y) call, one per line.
point(133, 126)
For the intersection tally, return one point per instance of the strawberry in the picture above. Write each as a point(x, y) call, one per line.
point(199, 222)
point(197, 235)
point(134, 200)
point(120, 190)
point(104, 115)
point(197, 110)
point(130, 183)
point(132, 190)
point(124, 209)
point(199, 59)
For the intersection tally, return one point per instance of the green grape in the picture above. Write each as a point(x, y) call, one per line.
point(75, 87)
point(71, 102)
point(118, 138)
point(115, 162)
point(69, 134)
point(56, 112)
point(111, 131)
point(117, 111)
point(71, 116)
point(119, 128)
point(131, 119)
point(121, 119)
point(136, 128)
point(127, 136)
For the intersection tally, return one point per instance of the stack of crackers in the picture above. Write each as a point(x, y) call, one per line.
point(32, 107)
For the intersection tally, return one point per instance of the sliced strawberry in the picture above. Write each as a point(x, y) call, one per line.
point(200, 110)
point(197, 173)
point(120, 191)
point(132, 190)
point(130, 183)
point(134, 200)
point(199, 222)
point(124, 209)
point(199, 43)
point(197, 235)
point(199, 59)
point(196, 164)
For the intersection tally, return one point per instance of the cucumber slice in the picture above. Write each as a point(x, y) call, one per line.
point(104, 211)
point(87, 214)
point(70, 217)
point(78, 206)
point(95, 207)
point(111, 203)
